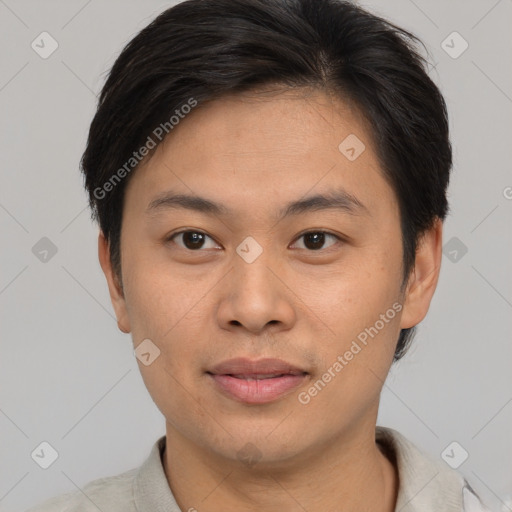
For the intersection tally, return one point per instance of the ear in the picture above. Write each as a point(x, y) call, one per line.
point(114, 287)
point(424, 276)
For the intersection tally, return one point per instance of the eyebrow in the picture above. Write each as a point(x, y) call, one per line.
point(340, 200)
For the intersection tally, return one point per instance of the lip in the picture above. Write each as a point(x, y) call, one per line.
point(245, 366)
point(256, 381)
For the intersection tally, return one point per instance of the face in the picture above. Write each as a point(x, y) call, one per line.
point(270, 271)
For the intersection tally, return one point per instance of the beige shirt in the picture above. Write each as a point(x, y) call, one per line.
point(425, 485)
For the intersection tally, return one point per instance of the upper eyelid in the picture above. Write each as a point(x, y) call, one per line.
point(170, 237)
point(338, 237)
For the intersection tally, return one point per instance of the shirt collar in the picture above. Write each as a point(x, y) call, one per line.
point(424, 483)
point(151, 491)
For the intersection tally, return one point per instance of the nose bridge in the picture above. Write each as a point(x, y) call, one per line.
point(250, 250)
point(251, 265)
point(255, 297)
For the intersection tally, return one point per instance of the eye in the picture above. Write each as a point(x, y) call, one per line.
point(314, 240)
point(191, 240)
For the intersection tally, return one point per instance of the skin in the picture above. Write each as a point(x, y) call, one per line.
point(203, 306)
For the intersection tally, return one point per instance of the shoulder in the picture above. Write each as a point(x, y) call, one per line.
point(109, 494)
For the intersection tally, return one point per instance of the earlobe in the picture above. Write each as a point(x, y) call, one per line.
point(424, 277)
point(114, 287)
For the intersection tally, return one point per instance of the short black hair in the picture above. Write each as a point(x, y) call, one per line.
point(203, 50)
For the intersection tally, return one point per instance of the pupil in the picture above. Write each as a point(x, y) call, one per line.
point(317, 240)
point(192, 239)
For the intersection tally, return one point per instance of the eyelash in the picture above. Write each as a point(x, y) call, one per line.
point(337, 237)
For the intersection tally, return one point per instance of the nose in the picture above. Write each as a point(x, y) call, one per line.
point(257, 296)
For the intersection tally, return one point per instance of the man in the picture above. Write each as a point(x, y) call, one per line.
point(270, 177)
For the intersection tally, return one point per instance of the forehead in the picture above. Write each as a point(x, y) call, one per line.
point(261, 124)
point(265, 148)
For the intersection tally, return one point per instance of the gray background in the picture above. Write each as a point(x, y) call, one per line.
point(69, 377)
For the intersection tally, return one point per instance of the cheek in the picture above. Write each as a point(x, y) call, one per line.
point(176, 397)
point(155, 299)
point(357, 299)
point(362, 309)
point(171, 317)
point(172, 312)
point(355, 359)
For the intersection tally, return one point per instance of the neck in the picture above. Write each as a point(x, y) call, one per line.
point(349, 474)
